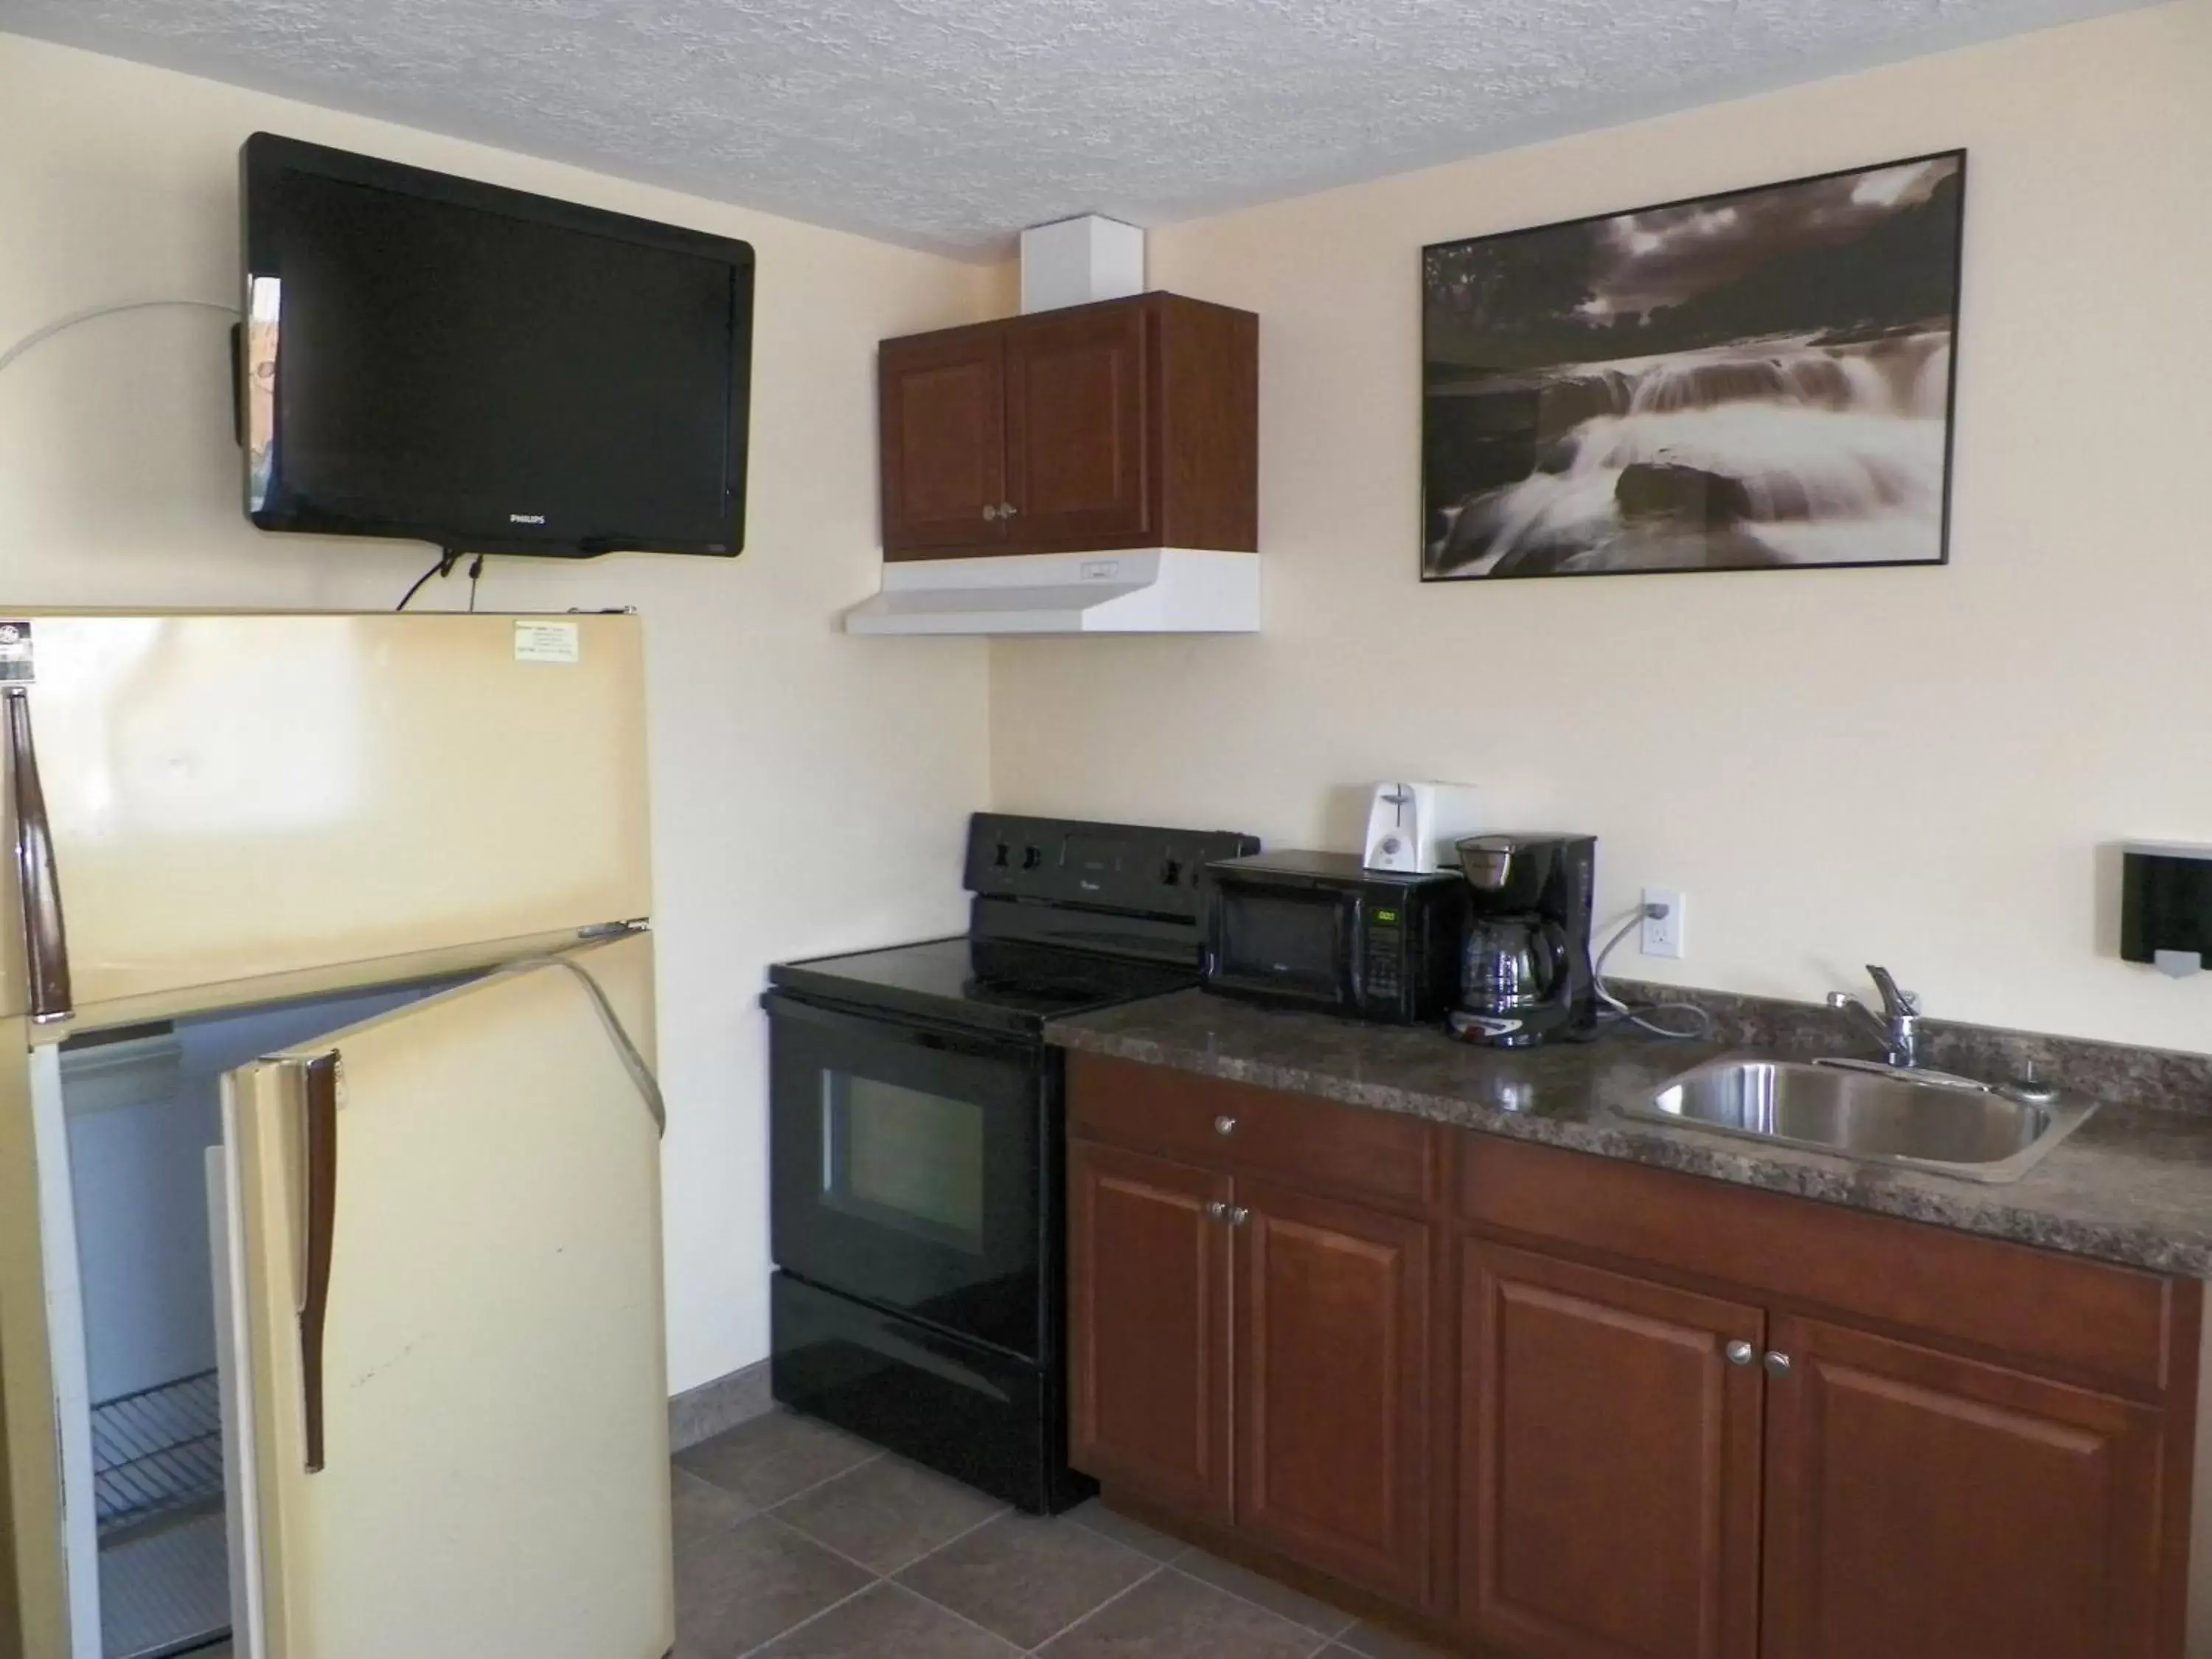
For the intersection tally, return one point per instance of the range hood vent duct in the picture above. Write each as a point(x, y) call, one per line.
point(1077, 262)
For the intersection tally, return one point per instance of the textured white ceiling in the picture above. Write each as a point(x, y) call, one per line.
point(951, 124)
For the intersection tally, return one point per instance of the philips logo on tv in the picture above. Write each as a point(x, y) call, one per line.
point(525, 518)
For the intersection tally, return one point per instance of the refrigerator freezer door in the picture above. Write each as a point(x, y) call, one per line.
point(451, 1289)
point(232, 798)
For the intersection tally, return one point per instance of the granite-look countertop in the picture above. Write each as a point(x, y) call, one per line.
point(2132, 1185)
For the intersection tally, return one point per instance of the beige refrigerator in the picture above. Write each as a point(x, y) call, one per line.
point(331, 1315)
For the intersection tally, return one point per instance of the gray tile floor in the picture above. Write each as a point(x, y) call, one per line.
point(796, 1541)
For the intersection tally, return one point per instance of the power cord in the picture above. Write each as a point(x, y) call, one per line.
point(1701, 1021)
point(446, 560)
point(61, 325)
point(443, 568)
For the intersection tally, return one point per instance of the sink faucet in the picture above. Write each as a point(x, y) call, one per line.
point(1898, 1022)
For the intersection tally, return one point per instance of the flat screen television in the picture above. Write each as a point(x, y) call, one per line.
point(492, 372)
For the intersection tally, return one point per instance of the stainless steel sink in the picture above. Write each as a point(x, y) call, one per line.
point(1881, 1114)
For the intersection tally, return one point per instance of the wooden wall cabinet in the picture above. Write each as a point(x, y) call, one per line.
point(1569, 1408)
point(1131, 423)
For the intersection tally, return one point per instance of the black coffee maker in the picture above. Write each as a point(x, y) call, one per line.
point(1525, 968)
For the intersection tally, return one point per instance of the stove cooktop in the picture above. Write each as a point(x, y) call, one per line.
point(997, 984)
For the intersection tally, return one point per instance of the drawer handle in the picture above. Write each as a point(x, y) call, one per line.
point(1741, 1353)
point(1224, 1126)
point(1777, 1365)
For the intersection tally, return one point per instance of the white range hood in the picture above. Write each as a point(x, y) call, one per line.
point(1163, 590)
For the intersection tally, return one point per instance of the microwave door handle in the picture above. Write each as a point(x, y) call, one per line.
point(45, 940)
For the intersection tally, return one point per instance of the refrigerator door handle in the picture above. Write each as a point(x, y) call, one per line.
point(45, 940)
point(317, 1227)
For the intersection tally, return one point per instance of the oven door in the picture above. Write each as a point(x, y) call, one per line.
point(909, 1168)
point(1283, 940)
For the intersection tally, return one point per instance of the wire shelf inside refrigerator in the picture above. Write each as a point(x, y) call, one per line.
point(157, 1450)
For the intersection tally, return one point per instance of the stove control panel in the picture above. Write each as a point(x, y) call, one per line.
point(1141, 869)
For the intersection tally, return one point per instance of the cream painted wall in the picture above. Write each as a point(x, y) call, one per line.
point(810, 791)
point(1913, 767)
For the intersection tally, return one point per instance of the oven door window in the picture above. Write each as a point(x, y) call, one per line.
point(910, 1168)
point(1289, 941)
point(904, 1159)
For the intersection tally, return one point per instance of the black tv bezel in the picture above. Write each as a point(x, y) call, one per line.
point(266, 155)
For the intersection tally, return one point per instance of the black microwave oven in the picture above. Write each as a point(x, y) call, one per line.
point(1320, 931)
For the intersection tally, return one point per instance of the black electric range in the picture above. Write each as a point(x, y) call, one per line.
point(917, 1145)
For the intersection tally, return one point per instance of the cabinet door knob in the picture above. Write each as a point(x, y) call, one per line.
point(1007, 510)
point(1224, 1125)
point(1777, 1365)
point(1218, 1210)
point(1239, 1216)
point(1741, 1353)
point(990, 514)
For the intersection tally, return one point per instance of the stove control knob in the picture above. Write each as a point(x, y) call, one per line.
point(1032, 857)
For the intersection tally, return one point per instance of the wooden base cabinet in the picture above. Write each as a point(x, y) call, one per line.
point(1576, 1409)
point(1308, 1434)
point(1148, 1326)
point(1332, 1386)
point(1610, 1444)
point(1252, 1317)
point(1923, 1506)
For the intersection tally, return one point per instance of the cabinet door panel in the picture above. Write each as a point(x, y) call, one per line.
point(1333, 1427)
point(944, 413)
point(1075, 396)
point(1148, 1327)
point(1610, 1497)
point(1922, 1506)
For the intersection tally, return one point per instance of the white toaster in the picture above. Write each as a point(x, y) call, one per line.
point(1412, 827)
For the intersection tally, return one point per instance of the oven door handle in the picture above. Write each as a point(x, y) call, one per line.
point(881, 1025)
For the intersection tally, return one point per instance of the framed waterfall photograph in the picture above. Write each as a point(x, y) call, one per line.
point(1760, 380)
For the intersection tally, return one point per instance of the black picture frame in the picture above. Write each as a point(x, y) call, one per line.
point(1744, 380)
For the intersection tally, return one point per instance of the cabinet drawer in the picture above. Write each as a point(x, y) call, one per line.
point(1235, 1125)
point(2038, 1308)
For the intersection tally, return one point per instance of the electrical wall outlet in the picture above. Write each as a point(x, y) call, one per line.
point(1662, 935)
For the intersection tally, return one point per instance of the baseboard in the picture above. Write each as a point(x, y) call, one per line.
point(702, 1413)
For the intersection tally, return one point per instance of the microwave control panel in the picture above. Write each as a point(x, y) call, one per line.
point(1385, 954)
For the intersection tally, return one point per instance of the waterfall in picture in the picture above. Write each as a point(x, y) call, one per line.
point(1759, 452)
point(1755, 379)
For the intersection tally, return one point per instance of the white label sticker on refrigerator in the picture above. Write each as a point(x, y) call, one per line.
point(16, 664)
point(547, 641)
